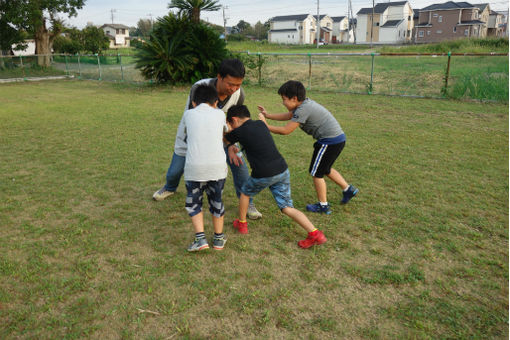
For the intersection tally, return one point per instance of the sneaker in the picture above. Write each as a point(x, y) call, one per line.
point(198, 245)
point(253, 213)
point(350, 193)
point(161, 194)
point(219, 242)
point(318, 208)
point(242, 227)
point(315, 238)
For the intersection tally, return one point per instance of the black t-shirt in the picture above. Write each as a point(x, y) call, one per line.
point(260, 149)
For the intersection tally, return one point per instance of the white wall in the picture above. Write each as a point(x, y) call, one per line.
point(390, 35)
point(361, 29)
point(284, 37)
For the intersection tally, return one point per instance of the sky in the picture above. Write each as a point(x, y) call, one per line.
point(128, 12)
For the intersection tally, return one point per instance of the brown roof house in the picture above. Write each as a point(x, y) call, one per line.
point(392, 23)
point(118, 35)
point(496, 25)
point(452, 20)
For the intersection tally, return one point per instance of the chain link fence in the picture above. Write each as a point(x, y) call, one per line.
point(474, 76)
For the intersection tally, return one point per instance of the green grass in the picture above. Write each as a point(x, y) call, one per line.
point(422, 252)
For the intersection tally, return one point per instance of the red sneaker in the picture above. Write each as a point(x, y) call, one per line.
point(242, 227)
point(314, 238)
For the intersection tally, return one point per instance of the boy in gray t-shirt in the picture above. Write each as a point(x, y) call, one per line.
point(318, 122)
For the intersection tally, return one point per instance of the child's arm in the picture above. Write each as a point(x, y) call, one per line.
point(275, 116)
point(280, 130)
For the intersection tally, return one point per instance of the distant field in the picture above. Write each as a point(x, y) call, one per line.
point(422, 252)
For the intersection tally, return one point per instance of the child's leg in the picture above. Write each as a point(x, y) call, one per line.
point(336, 177)
point(217, 224)
point(198, 222)
point(244, 202)
point(320, 189)
point(214, 192)
point(300, 218)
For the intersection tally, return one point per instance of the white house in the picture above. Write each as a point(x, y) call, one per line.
point(29, 48)
point(118, 35)
point(341, 31)
point(326, 24)
point(392, 23)
point(292, 29)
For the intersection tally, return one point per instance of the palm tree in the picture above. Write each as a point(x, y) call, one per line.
point(193, 7)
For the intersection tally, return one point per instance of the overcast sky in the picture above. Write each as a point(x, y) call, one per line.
point(128, 12)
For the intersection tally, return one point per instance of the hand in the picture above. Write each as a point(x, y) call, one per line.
point(233, 157)
point(262, 110)
point(262, 117)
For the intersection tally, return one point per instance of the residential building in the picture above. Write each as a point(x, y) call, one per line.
point(118, 35)
point(293, 29)
point(342, 33)
point(386, 23)
point(326, 25)
point(496, 25)
point(451, 20)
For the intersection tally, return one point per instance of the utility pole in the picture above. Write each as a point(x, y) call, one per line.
point(353, 25)
point(318, 25)
point(372, 25)
point(150, 16)
point(112, 11)
point(225, 22)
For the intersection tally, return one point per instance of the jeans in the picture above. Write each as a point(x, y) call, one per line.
point(176, 170)
point(278, 184)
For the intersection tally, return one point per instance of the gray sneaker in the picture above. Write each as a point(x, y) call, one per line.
point(161, 194)
point(198, 245)
point(219, 242)
point(253, 213)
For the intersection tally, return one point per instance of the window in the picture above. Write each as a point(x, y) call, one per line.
point(455, 29)
point(428, 32)
point(435, 15)
point(466, 32)
point(420, 34)
point(117, 31)
point(439, 31)
point(440, 19)
point(376, 24)
point(409, 18)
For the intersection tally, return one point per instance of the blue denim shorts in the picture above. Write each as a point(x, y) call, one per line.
point(278, 184)
point(214, 191)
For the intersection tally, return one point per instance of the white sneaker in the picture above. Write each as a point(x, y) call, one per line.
point(253, 213)
point(161, 194)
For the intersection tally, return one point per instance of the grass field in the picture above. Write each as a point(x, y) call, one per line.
point(421, 252)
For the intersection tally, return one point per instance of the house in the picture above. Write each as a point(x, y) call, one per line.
point(28, 48)
point(386, 23)
point(483, 15)
point(292, 29)
point(451, 20)
point(342, 33)
point(118, 35)
point(496, 25)
point(326, 25)
point(416, 16)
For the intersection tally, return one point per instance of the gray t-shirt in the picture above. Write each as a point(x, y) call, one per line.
point(316, 120)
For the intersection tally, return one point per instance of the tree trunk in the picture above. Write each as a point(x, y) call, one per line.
point(43, 46)
point(195, 15)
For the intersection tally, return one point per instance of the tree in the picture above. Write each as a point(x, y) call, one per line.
point(94, 40)
point(180, 51)
point(242, 27)
point(192, 8)
point(11, 25)
point(34, 16)
point(144, 27)
point(260, 31)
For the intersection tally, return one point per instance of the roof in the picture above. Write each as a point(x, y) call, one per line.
point(416, 13)
point(297, 17)
point(336, 19)
point(380, 8)
point(284, 30)
point(472, 22)
point(115, 26)
point(481, 6)
point(392, 23)
point(448, 5)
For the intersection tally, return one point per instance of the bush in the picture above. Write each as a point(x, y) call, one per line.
point(180, 51)
point(66, 45)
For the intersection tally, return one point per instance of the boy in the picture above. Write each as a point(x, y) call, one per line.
point(269, 169)
point(227, 83)
point(315, 120)
point(205, 168)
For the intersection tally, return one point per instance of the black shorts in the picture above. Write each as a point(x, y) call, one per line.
point(323, 158)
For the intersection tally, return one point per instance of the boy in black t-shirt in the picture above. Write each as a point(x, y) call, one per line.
point(269, 169)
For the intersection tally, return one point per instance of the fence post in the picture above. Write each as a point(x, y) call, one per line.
point(444, 90)
point(99, 66)
point(371, 86)
point(260, 69)
point(79, 66)
point(121, 69)
point(67, 70)
point(22, 67)
point(309, 71)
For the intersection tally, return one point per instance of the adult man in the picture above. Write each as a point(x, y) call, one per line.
point(228, 85)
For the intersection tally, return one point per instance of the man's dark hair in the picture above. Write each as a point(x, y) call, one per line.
point(231, 67)
point(240, 111)
point(205, 94)
point(293, 88)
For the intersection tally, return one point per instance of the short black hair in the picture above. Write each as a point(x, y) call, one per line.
point(240, 111)
point(231, 67)
point(205, 94)
point(293, 88)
